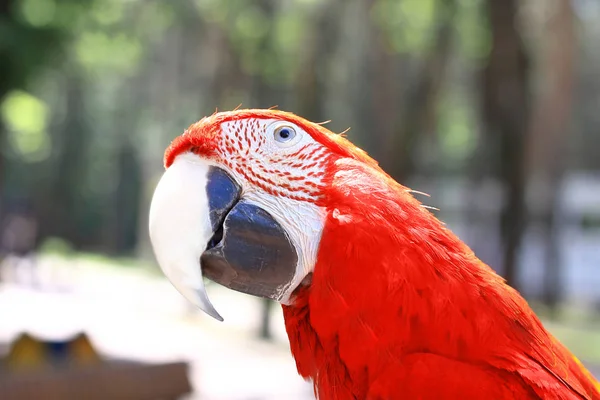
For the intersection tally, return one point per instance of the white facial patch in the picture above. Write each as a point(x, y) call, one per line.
point(283, 180)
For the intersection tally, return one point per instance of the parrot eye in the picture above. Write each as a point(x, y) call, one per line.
point(284, 134)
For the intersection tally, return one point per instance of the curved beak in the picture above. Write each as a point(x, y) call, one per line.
point(200, 225)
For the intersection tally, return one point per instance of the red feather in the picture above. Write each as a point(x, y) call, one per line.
point(400, 308)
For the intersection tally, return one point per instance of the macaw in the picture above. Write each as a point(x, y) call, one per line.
point(381, 301)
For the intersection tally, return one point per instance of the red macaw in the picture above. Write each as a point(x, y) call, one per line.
point(380, 300)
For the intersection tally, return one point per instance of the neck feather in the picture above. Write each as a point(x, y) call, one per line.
point(389, 280)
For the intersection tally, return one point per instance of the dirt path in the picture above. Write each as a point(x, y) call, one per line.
point(136, 315)
point(140, 316)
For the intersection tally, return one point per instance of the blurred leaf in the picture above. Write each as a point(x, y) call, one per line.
point(56, 246)
point(153, 19)
point(408, 23)
point(71, 14)
point(38, 13)
point(473, 33)
point(99, 51)
point(213, 10)
point(251, 24)
point(24, 112)
point(26, 117)
point(418, 17)
point(108, 12)
point(457, 135)
point(288, 31)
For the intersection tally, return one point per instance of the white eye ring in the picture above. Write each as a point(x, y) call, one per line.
point(285, 135)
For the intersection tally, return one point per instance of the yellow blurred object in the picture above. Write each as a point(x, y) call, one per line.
point(82, 350)
point(28, 353)
point(71, 369)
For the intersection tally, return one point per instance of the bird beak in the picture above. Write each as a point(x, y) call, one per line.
point(200, 225)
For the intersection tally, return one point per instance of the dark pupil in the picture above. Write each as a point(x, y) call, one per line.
point(284, 133)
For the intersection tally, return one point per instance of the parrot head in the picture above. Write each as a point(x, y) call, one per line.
point(242, 203)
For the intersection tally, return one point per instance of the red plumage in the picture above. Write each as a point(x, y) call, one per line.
point(400, 308)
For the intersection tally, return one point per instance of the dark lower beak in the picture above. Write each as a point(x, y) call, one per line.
point(250, 252)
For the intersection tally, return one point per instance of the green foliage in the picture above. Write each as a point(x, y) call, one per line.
point(142, 70)
point(473, 34)
point(408, 24)
point(38, 13)
point(266, 38)
point(153, 20)
point(26, 117)
point(56, 246)
point(23, 49)
point(102, 52)
point(457, 133)
point(111, 38)
point(108, 13)
point(24, 112)
point(214, 11)
point(590, 222)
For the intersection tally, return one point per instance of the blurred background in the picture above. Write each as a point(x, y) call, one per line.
point(490, 106)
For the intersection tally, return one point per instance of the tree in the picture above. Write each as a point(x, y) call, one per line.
point(505, 113)
point(549, 132)
point(27, 45)
point(419, 115)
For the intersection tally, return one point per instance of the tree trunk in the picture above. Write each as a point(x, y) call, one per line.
point(2, 162)
point(4, 9)
point(320, 45)
point(265, 326)
point(126, 199)
point(419, 116)
point(385, 67)
point(506, 115)
point(549, 134)
point(158, 82)
point(62, 213)
point(262, 95)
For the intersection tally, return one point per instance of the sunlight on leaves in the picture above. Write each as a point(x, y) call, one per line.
point(212, 10)
point(409, 23)
point(38, 13)
point(288, 31)
point(26, 118)
point(474, 39)
point(98, 50)
point(108, 12)
point(252, 23)
point(309, 2)
point(24, 112)
point(419, 26)
point(154, 19)
point(457, 133)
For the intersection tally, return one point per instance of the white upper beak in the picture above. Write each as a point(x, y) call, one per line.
point(180, 227)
